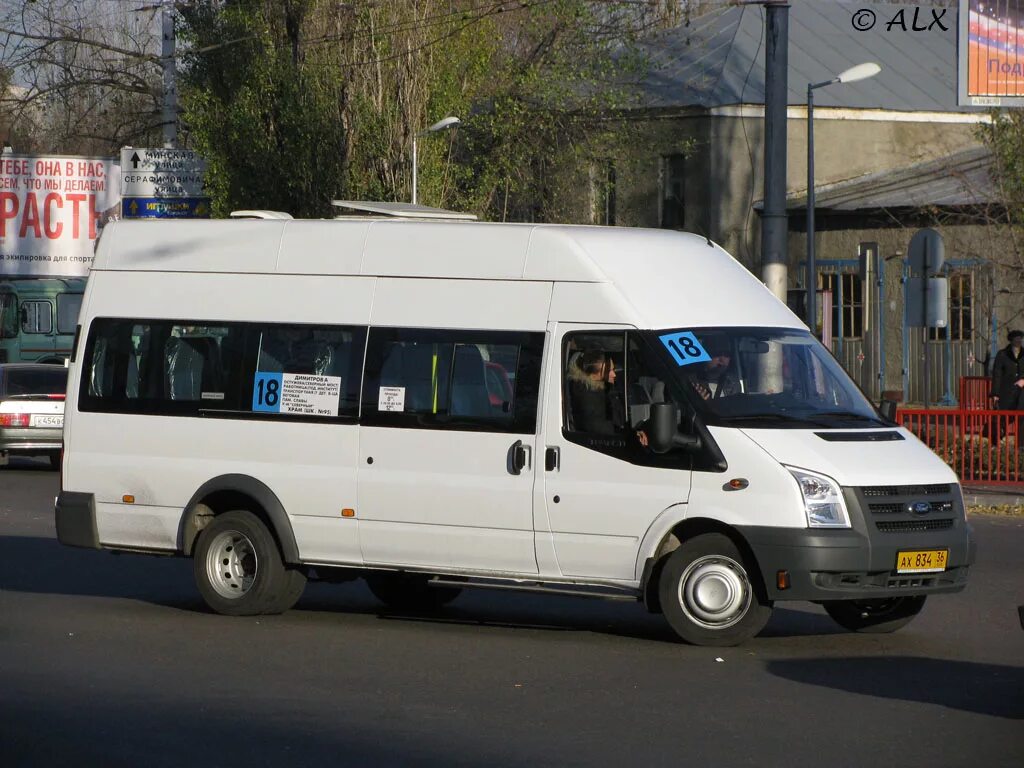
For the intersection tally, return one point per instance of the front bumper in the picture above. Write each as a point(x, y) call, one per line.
point(859, 563)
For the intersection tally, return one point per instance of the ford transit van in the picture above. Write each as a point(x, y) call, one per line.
point(441, 405)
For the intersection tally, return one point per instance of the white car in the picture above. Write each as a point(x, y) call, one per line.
point(32, 410)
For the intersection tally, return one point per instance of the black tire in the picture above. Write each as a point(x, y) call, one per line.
point(875, 616)
point(55, 462)
point(707, 595)
point(239, 570)
point(409, 591)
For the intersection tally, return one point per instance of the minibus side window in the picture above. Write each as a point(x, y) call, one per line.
point(308, 370)
point(446, 379)
point(610, 381)
point(226, 370)
point(161, 367)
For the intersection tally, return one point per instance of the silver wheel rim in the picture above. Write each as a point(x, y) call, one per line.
point(231, 564)
point(714, 592)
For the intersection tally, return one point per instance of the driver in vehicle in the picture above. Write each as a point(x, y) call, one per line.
point(717, 377)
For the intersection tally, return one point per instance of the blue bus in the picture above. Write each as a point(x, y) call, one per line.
point(38, 318)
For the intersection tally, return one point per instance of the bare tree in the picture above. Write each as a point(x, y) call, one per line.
point(83, 75)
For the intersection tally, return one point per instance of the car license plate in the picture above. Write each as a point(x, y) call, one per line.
point(921, 560)
point(51, 420)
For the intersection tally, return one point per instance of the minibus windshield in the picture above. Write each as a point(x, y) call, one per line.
point(764, 377)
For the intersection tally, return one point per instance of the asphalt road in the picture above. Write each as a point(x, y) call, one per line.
point(113, 660)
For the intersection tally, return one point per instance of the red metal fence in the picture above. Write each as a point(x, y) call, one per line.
point(974, 393)
point(981, 444)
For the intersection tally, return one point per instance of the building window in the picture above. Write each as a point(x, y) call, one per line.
point(673, 168)
point(847, 290)
point(961, 309)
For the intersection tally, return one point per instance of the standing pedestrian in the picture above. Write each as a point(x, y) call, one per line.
point(1008, 384)
point(1008, 374)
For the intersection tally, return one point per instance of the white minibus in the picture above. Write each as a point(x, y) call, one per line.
point(439, 405)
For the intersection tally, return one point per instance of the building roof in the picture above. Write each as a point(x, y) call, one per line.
point(718, 59)
point(960, 180)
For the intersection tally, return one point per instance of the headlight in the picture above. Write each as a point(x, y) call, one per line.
point(823, 501)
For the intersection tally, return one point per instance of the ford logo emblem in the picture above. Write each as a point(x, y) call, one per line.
point(920, 507)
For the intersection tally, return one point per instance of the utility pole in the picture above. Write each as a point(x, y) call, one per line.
point(774, 220)
point(169, 116)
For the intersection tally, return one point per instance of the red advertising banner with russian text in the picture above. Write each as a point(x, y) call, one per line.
point(995, 48)
point(51, 209)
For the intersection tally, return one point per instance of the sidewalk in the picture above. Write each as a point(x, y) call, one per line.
point(994, 495)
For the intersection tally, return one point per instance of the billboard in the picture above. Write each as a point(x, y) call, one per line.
point(991, 53)
point(51, 209)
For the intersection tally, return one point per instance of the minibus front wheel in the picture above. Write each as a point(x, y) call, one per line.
point(239, 570)
point(707, 595)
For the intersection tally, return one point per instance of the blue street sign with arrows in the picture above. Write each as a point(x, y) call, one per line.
point(165, 208)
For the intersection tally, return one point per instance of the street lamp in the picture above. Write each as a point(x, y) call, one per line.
point(440, 125)
point(851, 75)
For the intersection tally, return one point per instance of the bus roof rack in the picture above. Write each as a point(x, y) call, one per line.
point(275, 215)
point(399, 210)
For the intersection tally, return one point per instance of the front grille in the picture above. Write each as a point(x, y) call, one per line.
point(886, 509)
point(913, 526)
point(895, 509)
point(878, 491)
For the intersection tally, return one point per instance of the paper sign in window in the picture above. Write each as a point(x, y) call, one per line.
point(299, 394)
point(391, 399)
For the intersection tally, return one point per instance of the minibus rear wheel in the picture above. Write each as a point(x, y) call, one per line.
point(239, 570)
point(409, 591)
point(875, 616)
point(707, 595)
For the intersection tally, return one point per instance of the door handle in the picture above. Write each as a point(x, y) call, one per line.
point(552, 459)
point(518, 457)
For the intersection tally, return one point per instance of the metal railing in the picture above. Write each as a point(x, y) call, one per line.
point(981, 444)
point(974, 393)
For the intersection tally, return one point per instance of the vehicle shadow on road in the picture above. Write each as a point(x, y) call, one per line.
point(985, 689)
point(39, 565)
point(549, 613)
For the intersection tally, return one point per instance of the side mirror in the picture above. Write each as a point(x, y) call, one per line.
point(663, 430)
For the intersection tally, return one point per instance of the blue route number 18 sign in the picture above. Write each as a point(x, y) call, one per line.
point(266, 392)
point(685, 348)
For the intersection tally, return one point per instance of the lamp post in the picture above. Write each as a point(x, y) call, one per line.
point(440, 125)
point(851, 75)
